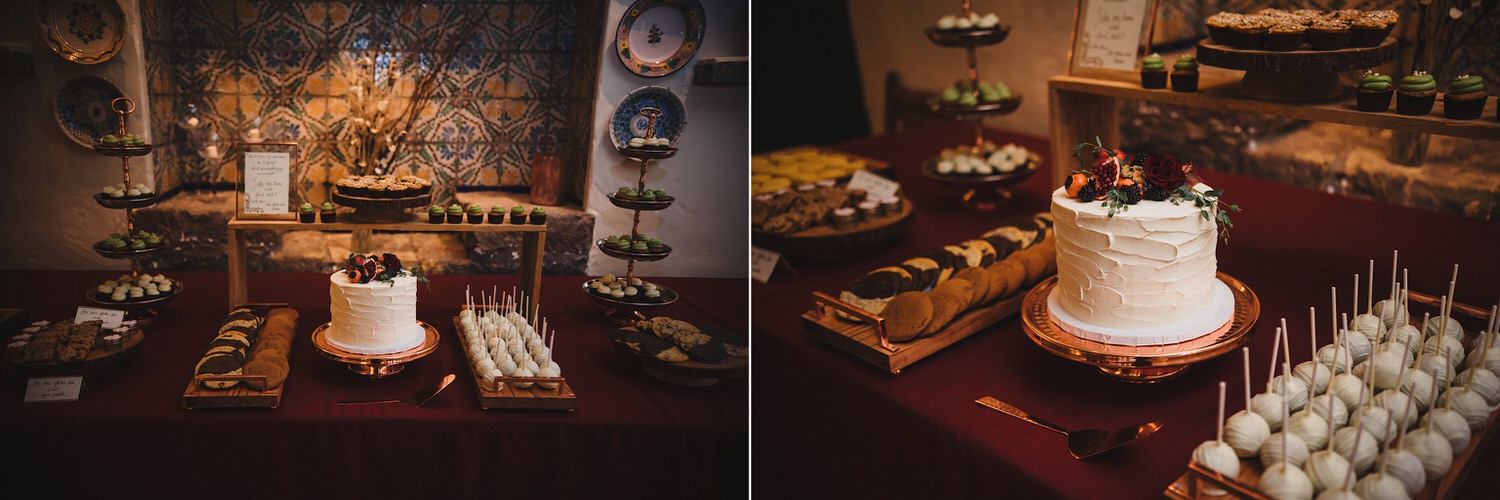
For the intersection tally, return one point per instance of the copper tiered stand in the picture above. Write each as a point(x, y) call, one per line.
point(137, 309)
point(622, 311)
point(984, 193)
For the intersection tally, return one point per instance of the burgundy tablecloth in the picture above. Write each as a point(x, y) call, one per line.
point(631, 436)
point(829, 425)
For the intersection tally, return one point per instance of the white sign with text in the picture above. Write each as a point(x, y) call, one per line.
point(49, 389)
point(268, 182)
point(877, 187)
point(1110, 34)
point(762, 262)
point(110, 317)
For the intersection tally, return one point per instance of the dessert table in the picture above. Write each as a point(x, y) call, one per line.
point(630, 436)
point(830, 425)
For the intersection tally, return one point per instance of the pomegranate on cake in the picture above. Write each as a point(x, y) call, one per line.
point(1136, 262)
point(373, 302)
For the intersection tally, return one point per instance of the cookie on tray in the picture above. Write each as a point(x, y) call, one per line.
point(907, 315)
point(979, 281)
point(948, 299)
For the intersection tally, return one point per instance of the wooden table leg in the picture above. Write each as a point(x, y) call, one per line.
point(1077, 118)
point(238, 270)
point(532, 249)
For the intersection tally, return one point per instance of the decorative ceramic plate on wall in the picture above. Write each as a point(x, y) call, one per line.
point(658, 37)
point(82, 109)
point(628, 121)
point(83, 31)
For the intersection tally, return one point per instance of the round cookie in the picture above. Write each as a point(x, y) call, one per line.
point(275, 374)
point(979, 281)
point(1035, 264)
point(1013, 273)
point(999, 286)
point(907, 315)
point(948, 299)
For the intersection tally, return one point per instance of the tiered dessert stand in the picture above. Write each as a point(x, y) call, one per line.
point(1298, 75)
point(984, 193)
point(628, 311)
point(143, 308)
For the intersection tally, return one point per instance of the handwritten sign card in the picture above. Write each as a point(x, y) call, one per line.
point(49, 389)
point(110, 317)
point(876, 187)
point(265, 180)
point(762, 263)
point(1109, 34)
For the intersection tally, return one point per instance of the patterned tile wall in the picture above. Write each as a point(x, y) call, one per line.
point(509, 91)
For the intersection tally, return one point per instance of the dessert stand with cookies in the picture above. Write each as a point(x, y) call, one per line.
point(129, 294)
point(683, 353)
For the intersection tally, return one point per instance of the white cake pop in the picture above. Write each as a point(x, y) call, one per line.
point(506, 364)
point(1312, 428)
point(1217, 455)
point(1348, 388)
point(1406, 335)
point(1341, 361)
point(1319, 405)
point(1357, 446)
point(1403, 409)
point(1380, 486)
point(1467, 403)
point(1438, 364)
point(1385, 365)
point(523, 372)
point(1327, 470)
point(1403, 465)
point(1246, 430)
point(1285, 481)
point(1376, 420)
point(1432, 449)
point(1316, 376)
point(1451, 425)
point(1371, 327)
point(1270, 405)
point(1358, 345)
point(1271, 450)
point(1484, 383)
point(1418, 384)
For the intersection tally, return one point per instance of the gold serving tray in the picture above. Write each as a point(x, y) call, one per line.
point(1141, 364)
point(509, 397)
point(376, 365)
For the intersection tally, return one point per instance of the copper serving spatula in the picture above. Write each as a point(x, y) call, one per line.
point(1081, 444)
point(421, 397)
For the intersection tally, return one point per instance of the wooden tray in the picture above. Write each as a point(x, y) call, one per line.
point(823, 244)
point(98, 363)
point(689, 373)
point(511, 398)
point(1190, 484)
point(863, 339)
point(240, 396)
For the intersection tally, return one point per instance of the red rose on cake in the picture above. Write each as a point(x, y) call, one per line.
point(1162, 169)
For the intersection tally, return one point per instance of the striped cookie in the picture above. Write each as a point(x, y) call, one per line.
point(980, 253)
point(873, 291)
point(924, 272)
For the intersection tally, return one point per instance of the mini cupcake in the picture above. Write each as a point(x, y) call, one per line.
point(455, 214)
point(1374, 93)
point(1185, 74)
point(1153, 72)
point(152, 240)
point(305, 213)
point(497, 214)
point(1221, 27)
point(1368, 31)
point(1417, 93)
point(517, 215)
point(626, 193)
point(327, 213)
point(538, 216)
point(656, 246)
point(1328, 34)
point(1465, 98)
point(476, 214)
point(436, 214)
point(1250, 32)
point(1286, 35)
point(640, 247)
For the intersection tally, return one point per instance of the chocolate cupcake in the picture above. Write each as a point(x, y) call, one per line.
point(1250, 32)
point(1286, 35)
point(305, 213)
point(436, 214)
point(538, 216)
point(1374, 93)
point(1465, 98)
point(1328, 34)
point(517, 215)
point(1417, 93)
point(1221, 27)
point(1185, 74)
point(1153, 72)
point(327, 213)
point(497, 214)
point(1368, 31)
point(455, 214)
point(476, 214)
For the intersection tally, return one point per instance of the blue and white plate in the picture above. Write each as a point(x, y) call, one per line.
point(83, 31)
point(82, 109)
point(628, 121)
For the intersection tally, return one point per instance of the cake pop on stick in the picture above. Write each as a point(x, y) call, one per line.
point(1284, 448)
point(1358, 345)
point(1308, 425)
point(1270, 405)
point(1283, 477)
point(1245, 431)
point(1348, 387)
point(1217, 455)
point(1335, 354)
point(1297, 390)
point(1313, 373)
point(1451, 424)
point(1382, 485)
point(1324, 467)
point(1430, 448)
point(1376, 420)
point(1366, 445)
point(1367, 323)
point(1481, 380)
point(1438, 344)
point(549, 368)
point(1446, 325)
point(1403, 409)
point(1389, 310)
point(1403, 465)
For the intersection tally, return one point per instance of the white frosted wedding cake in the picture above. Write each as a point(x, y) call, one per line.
point(373, 303)
point(1133, 266)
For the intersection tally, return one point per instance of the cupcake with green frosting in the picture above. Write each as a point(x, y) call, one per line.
point(517, 215)
point(1374, 93)
point(1465, 97)
point(436, 214)
point(306, 213)
point(1416, 94)
point(476, 214)
point(538, 215)
point(497, 214)
point(1185, 74)
point(1153, 72)
point(455, 214)
point(327, 212)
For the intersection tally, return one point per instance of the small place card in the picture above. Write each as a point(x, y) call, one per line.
point(762, 262)
point(110, 317)
point(879, 188)
point(49, 389)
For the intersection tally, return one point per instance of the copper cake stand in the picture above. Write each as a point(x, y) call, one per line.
point(375, 365)
point(1139, 364)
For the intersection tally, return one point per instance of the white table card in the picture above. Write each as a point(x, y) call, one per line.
point(110, 317)
point(762, 263)
point(1109, 34)
point(49, 389)
point(877, 187)
point(267, 182)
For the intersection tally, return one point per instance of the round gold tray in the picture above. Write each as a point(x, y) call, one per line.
point(375, 365)
point(1139, 364)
